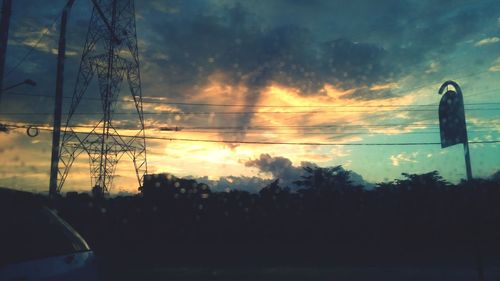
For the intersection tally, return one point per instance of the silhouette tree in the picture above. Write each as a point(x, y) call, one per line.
point(427, 182)
point(175, 219)
point(326, 179)
point(97, 192)
point(167, 186)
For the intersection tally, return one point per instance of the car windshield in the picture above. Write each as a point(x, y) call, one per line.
point(263, 133)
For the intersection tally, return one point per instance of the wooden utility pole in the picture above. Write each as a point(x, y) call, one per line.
point(4, 37)
point(56, 134)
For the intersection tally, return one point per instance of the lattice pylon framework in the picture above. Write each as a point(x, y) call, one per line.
point(111, 54)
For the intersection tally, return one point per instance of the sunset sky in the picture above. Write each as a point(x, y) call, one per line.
point(281, 71)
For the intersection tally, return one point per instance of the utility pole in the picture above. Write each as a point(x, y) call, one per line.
point(56, 135)
point(4, 36)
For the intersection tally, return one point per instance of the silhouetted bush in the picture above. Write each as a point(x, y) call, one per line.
point(176, 220)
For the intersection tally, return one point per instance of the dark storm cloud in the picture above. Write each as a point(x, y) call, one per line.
point(279, 167)
point(352, 64)
point(282, 168)
point(303, 44)
point(288, 54)
point(32, 53)
point(232, 43)
point(359, 43)
point(368, 94)
point(196, 47)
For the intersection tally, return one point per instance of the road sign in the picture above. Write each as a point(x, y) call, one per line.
point(452, 124)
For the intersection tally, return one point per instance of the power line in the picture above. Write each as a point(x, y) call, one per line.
point(33, 47)
point(480, 125)
point(308, 128)
point(332, 133)
point(248, 112)
point(255, 127)
point(292, 143)
point(323, 126)
point(303, 130)
point(277, 143)
point(480, 130)
point(146, 101)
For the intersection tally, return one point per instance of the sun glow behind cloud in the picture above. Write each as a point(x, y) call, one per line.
point(294, 119)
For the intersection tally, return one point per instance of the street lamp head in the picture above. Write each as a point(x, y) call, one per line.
point(27, 82)
point(30, 82)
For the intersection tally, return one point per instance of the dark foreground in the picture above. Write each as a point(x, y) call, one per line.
point(300, 263)
point(385, 273)
point(417, 228)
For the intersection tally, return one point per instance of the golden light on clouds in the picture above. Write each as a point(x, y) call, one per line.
point(278, 113)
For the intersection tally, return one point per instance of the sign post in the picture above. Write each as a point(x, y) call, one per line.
point(453, 129)
point(452, 124)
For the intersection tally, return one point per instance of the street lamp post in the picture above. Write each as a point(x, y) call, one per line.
point(25, 82)
point(4, 36)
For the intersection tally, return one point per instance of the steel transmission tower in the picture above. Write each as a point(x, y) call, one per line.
point(111, 55)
